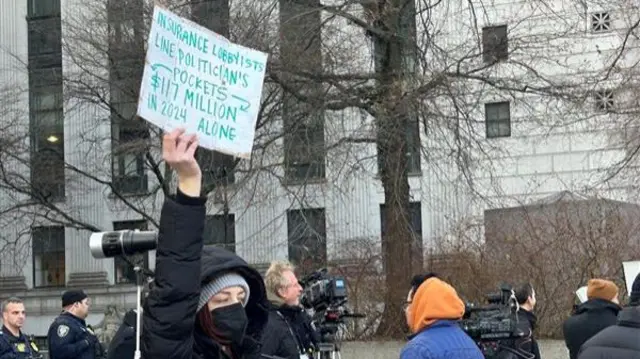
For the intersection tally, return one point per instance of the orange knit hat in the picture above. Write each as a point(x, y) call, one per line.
point(601, 289)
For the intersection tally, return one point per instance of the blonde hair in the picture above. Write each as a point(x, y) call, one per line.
point(274, 278)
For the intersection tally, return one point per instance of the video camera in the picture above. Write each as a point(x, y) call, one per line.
point(494, 327)
point(322, 290)
point(326, 295)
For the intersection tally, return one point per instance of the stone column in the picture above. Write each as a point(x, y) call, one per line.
point(86, 198)
point(82, 269)
point(15, 260)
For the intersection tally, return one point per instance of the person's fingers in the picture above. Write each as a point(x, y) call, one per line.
point(183, 142)
point(169, 141)
point(193, 146)
point(168, 145)
point(173, 134)
point(177, 131)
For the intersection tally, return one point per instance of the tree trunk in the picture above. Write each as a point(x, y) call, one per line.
point(392, 123)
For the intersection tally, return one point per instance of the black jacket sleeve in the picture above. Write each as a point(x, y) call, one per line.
point(170, 309)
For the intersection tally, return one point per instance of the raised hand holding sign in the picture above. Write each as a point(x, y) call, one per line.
point(178, 150)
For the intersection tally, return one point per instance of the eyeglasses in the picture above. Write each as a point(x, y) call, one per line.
point(405, 306)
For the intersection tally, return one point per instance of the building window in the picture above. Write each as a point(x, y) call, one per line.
point(495, 44)
point(304, 141)
point(415, 226)
point(600, 22)
point(46, 114)
point(48, 256)
point(605, 100)
point(217, 168)
point(123, 269)
point(497, 118)
point(307, 238)
point(220, 230)
point(301, 49)
point(45, 39)
point(129, 146)
point(43, 8)
point(130, 135)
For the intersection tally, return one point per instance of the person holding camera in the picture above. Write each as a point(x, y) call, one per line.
point(205, 303)
point(69, 335)
point(289, 334)
point(13, 343)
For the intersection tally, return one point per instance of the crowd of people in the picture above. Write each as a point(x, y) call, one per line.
point(208, 303)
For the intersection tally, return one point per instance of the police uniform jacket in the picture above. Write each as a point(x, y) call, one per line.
point(70, 338)
point(20, 347)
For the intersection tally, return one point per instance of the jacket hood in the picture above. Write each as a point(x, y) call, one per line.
point(434, 300)
point(217, 261)
point(598, 305)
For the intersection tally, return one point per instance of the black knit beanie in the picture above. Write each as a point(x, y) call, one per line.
point(72, 296)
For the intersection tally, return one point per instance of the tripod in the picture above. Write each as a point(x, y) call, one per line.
point(139, 284)
point(328, 351)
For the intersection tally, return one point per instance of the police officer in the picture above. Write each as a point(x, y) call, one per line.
point(13, 343)
point(69, 336)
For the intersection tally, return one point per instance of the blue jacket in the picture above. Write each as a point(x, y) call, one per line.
point(442, 340)
point(70, 338)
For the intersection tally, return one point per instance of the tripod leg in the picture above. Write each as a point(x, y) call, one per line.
point(139, 279)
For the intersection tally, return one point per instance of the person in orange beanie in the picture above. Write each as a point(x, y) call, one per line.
point(618, 341)
point(432, 312)
point(597, 313)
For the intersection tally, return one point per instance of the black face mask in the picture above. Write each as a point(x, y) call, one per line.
point(230, 322)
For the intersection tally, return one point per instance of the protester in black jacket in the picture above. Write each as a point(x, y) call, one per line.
point(592, 316)
point(205, 303)
point(621, 341)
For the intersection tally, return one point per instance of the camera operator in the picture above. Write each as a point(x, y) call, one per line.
point(206, 303)
point(432, 312)
point(69, 335)
point(289, 333)
point(13, 343)
point(597, 313)
point(526, 297)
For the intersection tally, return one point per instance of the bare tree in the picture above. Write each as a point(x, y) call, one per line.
point(400, 84)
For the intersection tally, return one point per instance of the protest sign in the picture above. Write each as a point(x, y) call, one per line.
point(199, 80)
